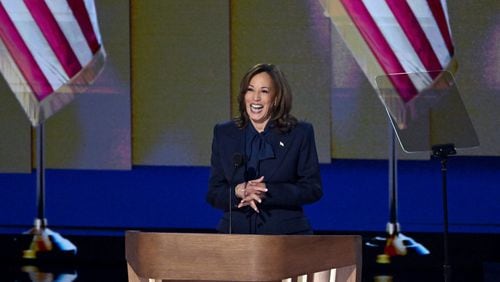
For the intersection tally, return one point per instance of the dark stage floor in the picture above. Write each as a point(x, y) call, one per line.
point(101, 257)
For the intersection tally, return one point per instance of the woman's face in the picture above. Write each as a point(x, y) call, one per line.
point(258, 99)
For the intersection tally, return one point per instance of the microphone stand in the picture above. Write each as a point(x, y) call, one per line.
point(237, 162)
point(230, 209)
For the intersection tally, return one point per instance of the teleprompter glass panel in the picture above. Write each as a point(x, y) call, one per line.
point(426, 110)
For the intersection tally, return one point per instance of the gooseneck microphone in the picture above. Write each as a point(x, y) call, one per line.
point(238, 161)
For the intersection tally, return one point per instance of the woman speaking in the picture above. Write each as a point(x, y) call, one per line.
point(264, 164)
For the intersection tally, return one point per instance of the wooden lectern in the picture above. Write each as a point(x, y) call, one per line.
point(155, 257)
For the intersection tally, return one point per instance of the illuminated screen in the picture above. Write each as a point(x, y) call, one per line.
point(173, 69)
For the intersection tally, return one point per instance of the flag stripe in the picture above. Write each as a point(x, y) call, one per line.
point(69, 26)
point(12, 74)
point(92, 13)
point(82, 16)
point(398, 42)
point(37, 44)
point(22, 56)
point(415, 35)
point(425, 18)
point(442, 22)
point(380, 47)
point(54, 36)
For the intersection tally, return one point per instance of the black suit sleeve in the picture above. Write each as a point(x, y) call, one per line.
point(305, 186)
point(218, 185)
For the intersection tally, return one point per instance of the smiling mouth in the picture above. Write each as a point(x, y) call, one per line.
point(256, 107)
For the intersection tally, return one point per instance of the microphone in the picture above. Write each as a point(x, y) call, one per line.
point(238, 161)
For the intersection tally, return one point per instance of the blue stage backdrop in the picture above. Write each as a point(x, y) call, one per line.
point(356, 197)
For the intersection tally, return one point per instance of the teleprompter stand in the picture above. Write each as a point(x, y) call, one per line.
point(441, 152)
point(427, 116)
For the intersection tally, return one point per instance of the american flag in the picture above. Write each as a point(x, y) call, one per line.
point(49, 51)
point(408, 42)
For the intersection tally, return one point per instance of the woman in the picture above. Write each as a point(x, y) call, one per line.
point(264, 163)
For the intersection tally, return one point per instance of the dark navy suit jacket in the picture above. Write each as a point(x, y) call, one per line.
point(292, 179)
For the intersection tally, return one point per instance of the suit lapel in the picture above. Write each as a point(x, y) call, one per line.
point(279, 142)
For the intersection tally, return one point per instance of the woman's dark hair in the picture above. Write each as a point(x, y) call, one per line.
point(282, 100)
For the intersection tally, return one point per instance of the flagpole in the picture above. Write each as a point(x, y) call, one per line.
point(40, 176)
point(45, 244)
point(395, 243)
point(393, 225)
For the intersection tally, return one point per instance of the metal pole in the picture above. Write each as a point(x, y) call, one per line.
point(392, 226)
point(442, 152)
point(446, 265)
point(44, 240)
point(40, 174)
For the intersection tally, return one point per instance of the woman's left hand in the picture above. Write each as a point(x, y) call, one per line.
point(255, 192)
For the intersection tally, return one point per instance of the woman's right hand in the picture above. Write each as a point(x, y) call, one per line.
point(251, 193)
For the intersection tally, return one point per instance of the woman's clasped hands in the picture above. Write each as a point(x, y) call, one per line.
point(251, 193)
